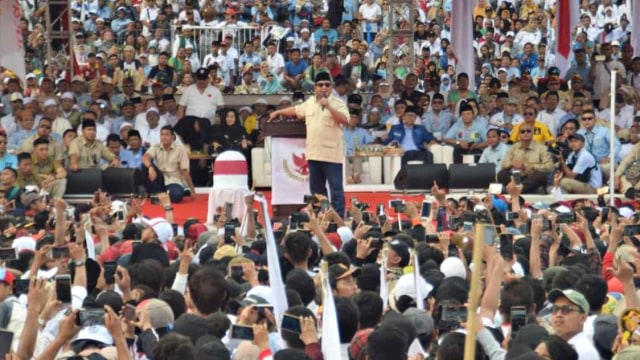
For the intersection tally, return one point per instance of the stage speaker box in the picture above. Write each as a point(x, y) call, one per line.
point(119, 181)
point(471, 176)
point(84, 182)
point(421, 177)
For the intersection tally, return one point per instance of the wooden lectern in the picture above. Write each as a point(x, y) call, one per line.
point(286, 129)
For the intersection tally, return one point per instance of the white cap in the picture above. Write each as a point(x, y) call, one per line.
point(626, 213)
point(124, 125)
point(452, 266)
point(50, 102)
point(406, 286)
point(247, 108)
point(285, 98)
point(15, 97)
point(510, 33)
point(106, 79)
point(24, 243)
point(67, 95)
point(153, 109)
point(162, 228)
point(304, 30)
point(28, 100)
point(264, 292)
point(30, 76)
point(97, 333)
point(99, 20)
point(260, 101)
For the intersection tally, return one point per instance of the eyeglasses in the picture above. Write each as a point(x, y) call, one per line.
point(528, 114)
point(589, 118)
point(269, 75)
point(324, 84)
point(525, 131)
point(564, 309)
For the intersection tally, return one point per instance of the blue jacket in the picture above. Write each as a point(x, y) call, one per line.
point(420, 135)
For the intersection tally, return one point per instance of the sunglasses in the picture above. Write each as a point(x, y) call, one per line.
point(564, 309)
point(528, 114)
point(525, 131)
point(587, 118)
point(323, 84)
point(269, 75)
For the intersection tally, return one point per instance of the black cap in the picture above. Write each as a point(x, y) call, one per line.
point(202, 74)
point(166, 97)
point(554, 70)
point(136, 100)
point(354, 99)
point(576, 137)
point(88, 123)
point(323, 76)
point(127, 103)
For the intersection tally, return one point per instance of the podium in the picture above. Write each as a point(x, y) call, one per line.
point(289, 181)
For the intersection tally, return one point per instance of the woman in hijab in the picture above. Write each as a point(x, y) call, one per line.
point(231, 135)
point(195, 133)
point(445, 84)
point(268, 80)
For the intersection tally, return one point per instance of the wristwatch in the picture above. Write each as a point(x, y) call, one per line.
point(79, 262)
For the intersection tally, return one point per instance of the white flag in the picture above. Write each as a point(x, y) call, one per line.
point(384, 291)
point(280, 304)
point(11, 42)
point(635, 21)
point(462, 38)
point(330, 332)
point(417, 283)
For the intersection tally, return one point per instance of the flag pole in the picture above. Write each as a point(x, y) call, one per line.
point(474, 292)
point(612, 134)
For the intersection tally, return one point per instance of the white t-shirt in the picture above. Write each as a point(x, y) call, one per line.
point(203, 105)
point(371, 13)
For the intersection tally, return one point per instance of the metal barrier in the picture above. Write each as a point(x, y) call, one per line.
point(203, 36)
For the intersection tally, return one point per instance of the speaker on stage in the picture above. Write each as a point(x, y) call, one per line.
point(84, 182)
point(471, 176)
point(421, 177)
point(119, 181)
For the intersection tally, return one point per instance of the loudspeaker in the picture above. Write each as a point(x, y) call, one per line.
point(119, 181)
point(84, 182)
point(421, 177)
point(471, 176)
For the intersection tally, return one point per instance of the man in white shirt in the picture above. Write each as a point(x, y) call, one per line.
point(275, 59)
point(496, 151)
point(568, 315)
point(552, 115)
point(200, 99)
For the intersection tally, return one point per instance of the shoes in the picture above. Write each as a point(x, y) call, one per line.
point(187, 192)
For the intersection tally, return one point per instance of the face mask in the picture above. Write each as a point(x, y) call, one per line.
point(382, 73)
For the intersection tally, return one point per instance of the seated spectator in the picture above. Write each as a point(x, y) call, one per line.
point(294, 71)
point(581, 173)
point(466, 135)
point(44, 131)
point(166, 168)
point(528, 157)
point(6, 159)
point(47, 170)
point(496, 151)
point(354, 136)
point(541, 133)
point(415, 140)
point(25, 119)
point(86, 152)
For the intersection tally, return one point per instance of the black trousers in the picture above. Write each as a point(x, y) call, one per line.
point(530, 183)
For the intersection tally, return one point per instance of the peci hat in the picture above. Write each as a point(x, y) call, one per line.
point(576, 137)
point(323, 76)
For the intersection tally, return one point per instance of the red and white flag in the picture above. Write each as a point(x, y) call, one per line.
point(635, 21)
point(462, 38)
point(12, 54)
point(568, 16)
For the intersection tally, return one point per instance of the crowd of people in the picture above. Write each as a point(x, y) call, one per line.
point(101, 280)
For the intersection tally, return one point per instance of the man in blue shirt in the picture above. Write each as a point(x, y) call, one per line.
point(438, 121)
point(597, 139)
point(581, 173)
point(353, 137)
point(326, 30)
point(294, 71)
point(415, 140)
point(6, 159)
point(25, 121)
point(496, 151)
point(466, 136)
point(119, 24)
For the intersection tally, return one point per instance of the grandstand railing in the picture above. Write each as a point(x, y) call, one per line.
point(203, 36)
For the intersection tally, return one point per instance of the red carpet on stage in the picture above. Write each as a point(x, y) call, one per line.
point(197, 207)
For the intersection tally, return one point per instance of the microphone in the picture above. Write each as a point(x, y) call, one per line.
point(324, 97)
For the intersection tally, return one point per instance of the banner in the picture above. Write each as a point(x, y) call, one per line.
point(567, 20)
point(462, 38)
point(12, 54)
point(289, 171)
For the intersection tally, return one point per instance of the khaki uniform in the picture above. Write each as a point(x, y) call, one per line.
point(49, 167)
point(325, 141)
point(535, 156)
point(89, 156)
point(56, 150)
point(170, 161)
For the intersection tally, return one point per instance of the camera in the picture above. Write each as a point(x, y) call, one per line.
point(359, 205)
